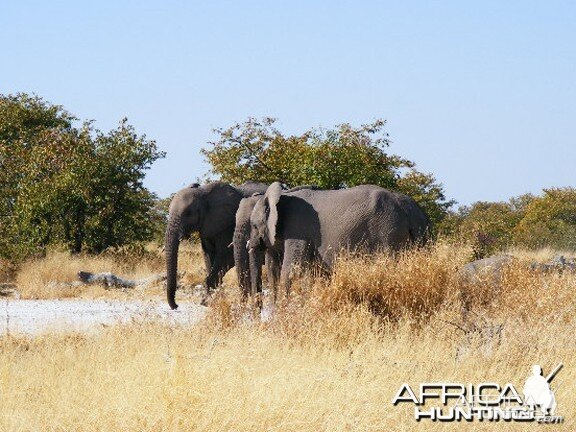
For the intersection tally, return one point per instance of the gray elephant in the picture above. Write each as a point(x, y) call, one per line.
point(248, 261)
point(245, 258)
point(210, 210)
point(313, 226)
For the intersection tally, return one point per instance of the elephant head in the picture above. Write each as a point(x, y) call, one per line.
point(265, 244)
point(263, 222)
point(249, 260)
point(264, 218)
point(209, 210)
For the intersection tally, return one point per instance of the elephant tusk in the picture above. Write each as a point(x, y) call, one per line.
point(250, 250)
point(231, 244)
point(248, 244)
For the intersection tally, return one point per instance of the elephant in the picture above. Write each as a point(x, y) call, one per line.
point(313, 226)
point(245, 258)
point(248, 261)
point(210, 210)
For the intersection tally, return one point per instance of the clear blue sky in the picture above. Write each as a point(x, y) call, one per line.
point(481, 93)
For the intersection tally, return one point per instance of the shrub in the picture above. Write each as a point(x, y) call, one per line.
point(344, 156)
point(549, 221)
point(67, 185)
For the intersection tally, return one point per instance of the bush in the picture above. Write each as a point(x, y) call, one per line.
point(67, 185)
point(549, 221)
point(487, 226)
point(335, 158)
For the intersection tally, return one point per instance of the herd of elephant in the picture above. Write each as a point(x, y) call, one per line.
point(254, 224)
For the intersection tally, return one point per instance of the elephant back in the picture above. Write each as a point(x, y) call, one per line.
point(250, 188)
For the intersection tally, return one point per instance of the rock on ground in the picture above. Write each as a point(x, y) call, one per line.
point(491, 265)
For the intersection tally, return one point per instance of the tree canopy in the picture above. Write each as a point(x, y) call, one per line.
point(69, 185)
point(489, 226)
point(547, 220)
point(344, 156)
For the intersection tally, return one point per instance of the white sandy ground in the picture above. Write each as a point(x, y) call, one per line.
point(40, 316)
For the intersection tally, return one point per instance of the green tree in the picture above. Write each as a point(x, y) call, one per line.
point(341, 157)
point(124, 206)
point(549, 220)
point(489, 226)
point(159, 218)
point(60, 184)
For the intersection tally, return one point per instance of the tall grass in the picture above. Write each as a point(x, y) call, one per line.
point(6, 271)
point(52, 276)
point(330, 359)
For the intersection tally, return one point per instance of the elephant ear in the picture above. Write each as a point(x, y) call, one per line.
point(271, 199)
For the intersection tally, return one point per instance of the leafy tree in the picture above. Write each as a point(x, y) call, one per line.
point(24, 122)
point(159, 218)
point(451, 224)
point(341, 157)
point(124, 205)
point(488, 226)
point(549, 220)
point(521, 202)
point(60, 184)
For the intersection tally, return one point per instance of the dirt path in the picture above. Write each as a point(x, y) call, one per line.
point(39, 316)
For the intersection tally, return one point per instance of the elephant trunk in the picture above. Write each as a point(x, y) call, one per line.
point(171, 244)
point(241, 258)
point(256, 255)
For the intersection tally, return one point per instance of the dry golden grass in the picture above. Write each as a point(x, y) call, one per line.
point(49, 277)
point(540, 255)
point(6, 271)
point(331, 359)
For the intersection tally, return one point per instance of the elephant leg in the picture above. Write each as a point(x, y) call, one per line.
point(208, 253)
point(296, 256)
point(222, 262)
point(219, 269)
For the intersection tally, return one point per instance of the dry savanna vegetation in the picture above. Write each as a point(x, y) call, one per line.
point(53, 276)
point(331, 358)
